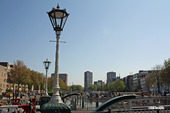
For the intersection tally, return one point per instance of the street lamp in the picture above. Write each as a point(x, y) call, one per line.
point(46, 65)
point(58, 18)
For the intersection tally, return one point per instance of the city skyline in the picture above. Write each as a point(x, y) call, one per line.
point(101, 36)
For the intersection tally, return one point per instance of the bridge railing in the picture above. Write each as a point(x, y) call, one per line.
point(143, 111)
point(130, 105)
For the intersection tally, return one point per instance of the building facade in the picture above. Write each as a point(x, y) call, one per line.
point(142, 75)
point(14, 88)
point(111, 76)
point(5, 67)
point(128, 82)
point(136, 82)
point(3, 78)
point(99, 82)
point(88, 79)
point(63, 77)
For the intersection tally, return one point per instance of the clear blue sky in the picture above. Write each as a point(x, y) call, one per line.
point(124, 36)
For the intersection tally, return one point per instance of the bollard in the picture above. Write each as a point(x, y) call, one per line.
point(31, 107)
point(75, 104)
point(82, 102)
point(44, 99)
point(97, 103)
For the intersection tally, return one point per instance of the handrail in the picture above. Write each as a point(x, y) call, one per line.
point(70, 95)
point(112, 101)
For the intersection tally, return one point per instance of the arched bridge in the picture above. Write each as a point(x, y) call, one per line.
point(113, 101)
point(71, 94)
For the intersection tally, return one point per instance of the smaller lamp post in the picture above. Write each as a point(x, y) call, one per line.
point(46, 65)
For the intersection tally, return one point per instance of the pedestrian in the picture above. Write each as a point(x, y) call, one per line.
point(21, 96)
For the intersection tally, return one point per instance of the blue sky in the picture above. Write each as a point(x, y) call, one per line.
point(123, 36)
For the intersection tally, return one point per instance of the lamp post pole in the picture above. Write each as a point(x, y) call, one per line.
point(46, 91)
point(56, 96)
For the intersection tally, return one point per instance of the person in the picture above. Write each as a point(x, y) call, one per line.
point(21, 96)
point(164, 93)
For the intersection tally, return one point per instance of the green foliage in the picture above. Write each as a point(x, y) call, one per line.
point(149, 80)
point(165, 73)
point(62, 84)
point(112, 87)
point(92, 87)
point(116, 86)
point(20, 74)
point(156, 74)
point(76, 88)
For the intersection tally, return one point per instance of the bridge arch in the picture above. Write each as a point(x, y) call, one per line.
point(71, 94)
point(114, 100)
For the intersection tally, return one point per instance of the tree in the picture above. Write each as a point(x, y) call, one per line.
point(37, 79)
point(165, 73)
point(117, 85)
point(112, 87)
point(149, 81)
point(120, 85)
point(19, 74)
point(76, 88)
point(156, 73)
point(92, 87)
point(62, 84)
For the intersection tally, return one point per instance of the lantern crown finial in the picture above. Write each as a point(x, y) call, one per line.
point(58, 7)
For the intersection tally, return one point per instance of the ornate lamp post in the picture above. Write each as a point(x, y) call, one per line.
point(46, 65)
point(58, 18)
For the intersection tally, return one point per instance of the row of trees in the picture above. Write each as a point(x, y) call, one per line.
point(63, 86)
point(160, 76)
point(21, 74)
point(115, 86)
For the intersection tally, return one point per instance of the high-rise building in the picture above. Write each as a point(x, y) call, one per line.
point(111, 76)
point(88, 79)
point(63, 77)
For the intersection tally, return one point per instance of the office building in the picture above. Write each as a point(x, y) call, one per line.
point(128, 82)
point(88, 79)
point(111, 76)
point(63, 77)
point(99, 82)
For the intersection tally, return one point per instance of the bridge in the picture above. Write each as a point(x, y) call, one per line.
point(80, 103)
